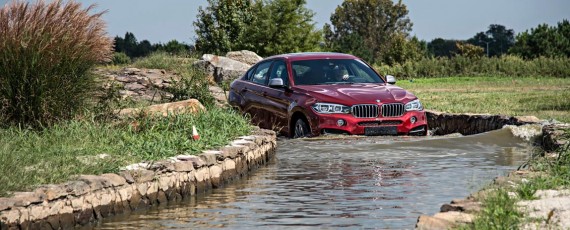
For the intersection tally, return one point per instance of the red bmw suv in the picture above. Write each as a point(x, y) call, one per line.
point(308, 94)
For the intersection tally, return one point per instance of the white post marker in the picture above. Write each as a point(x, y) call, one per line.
point(195, 134)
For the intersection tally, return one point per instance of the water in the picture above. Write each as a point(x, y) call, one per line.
point(379, 182)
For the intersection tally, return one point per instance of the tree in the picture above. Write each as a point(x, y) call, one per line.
point(281, 26)
point(222, 25)
point(544, 41)
point(496, 41)
point(469, 50)
point(266, 27)
point(374, 22)
point(440, 47)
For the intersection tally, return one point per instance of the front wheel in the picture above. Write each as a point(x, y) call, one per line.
point(301, 129)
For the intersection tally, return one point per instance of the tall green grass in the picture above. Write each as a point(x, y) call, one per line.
point(56, 154)
point(46, 52)
point(511, 66)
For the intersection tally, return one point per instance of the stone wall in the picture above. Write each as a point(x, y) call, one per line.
point(92, 197)
point(468, 124)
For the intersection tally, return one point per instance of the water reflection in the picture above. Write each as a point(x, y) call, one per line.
point(333, 183)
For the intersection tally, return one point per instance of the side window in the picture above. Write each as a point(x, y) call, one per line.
point(249, 74)
point(279, 70)
point(260, 74)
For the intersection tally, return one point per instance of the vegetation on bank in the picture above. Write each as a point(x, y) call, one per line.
point(500, 210)
point(504, 66)
point(543, 97)
point(56, 123)
point(86, 146)
point(46, 52)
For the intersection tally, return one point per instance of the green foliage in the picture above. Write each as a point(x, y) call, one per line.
point(120, 59)
point(544, 41)
point(83, 146)
point(440, 47)
point(192, 82)
point(46, 52)
point(470, 51)
point(266, 27)
point(498, 39)
point(282, 26)
point(131, 47)
point(174, 47)
point(465, 66)
point(374, 25)
point(222, 25)
point(499, 212)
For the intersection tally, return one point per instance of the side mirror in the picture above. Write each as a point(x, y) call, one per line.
point(390, 79)
point(276, 83)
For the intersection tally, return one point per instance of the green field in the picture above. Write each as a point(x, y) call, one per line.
point(545, 98)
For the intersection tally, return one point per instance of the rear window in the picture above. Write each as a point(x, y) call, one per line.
point(333, 71)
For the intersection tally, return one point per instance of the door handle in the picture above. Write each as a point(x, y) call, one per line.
point(264, 93)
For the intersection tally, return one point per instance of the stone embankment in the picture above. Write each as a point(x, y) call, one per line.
point(89, 198)
point(468, 124)
point(552, 207)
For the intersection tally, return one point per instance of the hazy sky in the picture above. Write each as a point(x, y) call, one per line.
point(164, 20)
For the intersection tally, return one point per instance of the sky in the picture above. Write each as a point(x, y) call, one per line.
point(165, 20)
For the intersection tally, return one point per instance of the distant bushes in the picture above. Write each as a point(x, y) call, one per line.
point(46, 52)
point(464, 66)
point(120, 58)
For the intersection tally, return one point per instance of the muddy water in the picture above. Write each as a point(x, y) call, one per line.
point(379, 182)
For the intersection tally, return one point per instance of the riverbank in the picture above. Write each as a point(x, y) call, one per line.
point(91, 197)
point(534, 197)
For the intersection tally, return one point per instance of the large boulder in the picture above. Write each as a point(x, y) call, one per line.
point(244, 56)
point(187, 106)
point(222, 68)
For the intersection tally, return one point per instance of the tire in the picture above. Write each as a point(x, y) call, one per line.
point(301, 129)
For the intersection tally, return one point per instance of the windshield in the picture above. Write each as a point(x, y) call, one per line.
point(333, 71)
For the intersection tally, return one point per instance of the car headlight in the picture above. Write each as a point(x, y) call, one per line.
point(414, 105)
point(329, 108)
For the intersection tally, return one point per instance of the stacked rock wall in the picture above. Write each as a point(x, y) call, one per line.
point(92, 197)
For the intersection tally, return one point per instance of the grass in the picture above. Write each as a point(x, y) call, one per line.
point(29, 158)
point(500, 210)
point(545, 97)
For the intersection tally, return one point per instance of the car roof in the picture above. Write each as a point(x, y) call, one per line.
point(312, 55)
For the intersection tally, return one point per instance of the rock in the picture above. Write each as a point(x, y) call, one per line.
point(222, 68)
point(219, 94)
point(187, 106)
point(244, 56)
point(554, 136)
point(95, 182)
point(428, 223)
point(455, 217)
point(115, 179)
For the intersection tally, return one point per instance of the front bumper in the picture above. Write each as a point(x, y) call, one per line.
point(328, 123)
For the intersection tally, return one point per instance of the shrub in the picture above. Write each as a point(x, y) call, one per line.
point(120, 58)
point(511, 66)
point(46, 52)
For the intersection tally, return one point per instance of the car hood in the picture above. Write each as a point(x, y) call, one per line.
point(358, 93)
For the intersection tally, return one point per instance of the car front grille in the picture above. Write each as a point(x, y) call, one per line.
point(393, 110)
point(365, 111)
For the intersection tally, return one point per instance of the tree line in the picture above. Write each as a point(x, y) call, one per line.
point(375, 30)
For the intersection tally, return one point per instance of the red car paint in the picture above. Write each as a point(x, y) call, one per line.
point(279, 108)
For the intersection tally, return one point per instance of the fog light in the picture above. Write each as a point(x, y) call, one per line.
point(340, 122)
point(413, 120)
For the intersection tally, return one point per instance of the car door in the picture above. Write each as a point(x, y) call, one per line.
point(253, 94)
point(278, 99)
